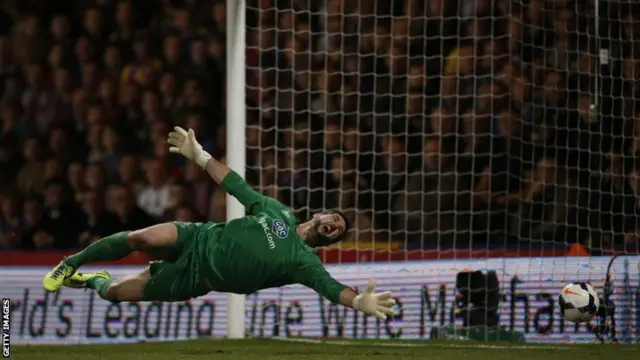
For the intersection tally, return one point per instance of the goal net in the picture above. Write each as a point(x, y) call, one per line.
point(456, 136)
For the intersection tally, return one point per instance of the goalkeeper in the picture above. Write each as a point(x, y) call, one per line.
point(265, 249)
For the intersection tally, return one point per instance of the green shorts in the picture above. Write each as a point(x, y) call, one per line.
point(179, 279)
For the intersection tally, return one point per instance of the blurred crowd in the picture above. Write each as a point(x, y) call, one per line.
point(432, 124)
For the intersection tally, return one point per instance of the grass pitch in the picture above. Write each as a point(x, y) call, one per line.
point(256, 349)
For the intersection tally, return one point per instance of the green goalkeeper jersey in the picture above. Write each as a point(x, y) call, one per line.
point(262, 250)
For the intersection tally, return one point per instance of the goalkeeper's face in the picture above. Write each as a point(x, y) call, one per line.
point(325, 228)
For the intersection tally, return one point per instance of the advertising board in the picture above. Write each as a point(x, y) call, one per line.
point(425, 292)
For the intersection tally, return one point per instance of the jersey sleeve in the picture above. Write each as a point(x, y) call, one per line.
point(316, 277)
point(252, 200)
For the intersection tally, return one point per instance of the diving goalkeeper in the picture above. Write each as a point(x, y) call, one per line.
point(265, 249)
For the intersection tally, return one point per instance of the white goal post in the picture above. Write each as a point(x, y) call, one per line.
point(235, 156)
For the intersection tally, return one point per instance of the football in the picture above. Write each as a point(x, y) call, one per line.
point(579, 302)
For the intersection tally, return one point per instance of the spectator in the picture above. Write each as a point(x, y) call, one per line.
point(168, 93)
point(129, 97)
point(100, 222)
point(59, 145)
point(200, 64)
point(36, 100)
point(95, 177)
point(62, 107)
point(89, 77)
point(108, 98)
point(7, 66)
point(154, 197)
point(151, 106)
point(94, 143)
point(30, 179)
point(64, 219)
point(76, 180)
point(129, 173)
point(172, 53)
point(143, 70)
point(10, 222)
point(111, 151)
point(79, 109)
point(53, 169)
point(58, 56)
point(217, 50)
point(36, 225)
point(31, 40)
point(84, 51)
point(179, 195)
point(201, 187)
point(92, 24)
point(10, 113)
point(129, 215)
point(60, 28)
point(218, 13)
point(389, 180)
point(180, 21)
point(112, 61)
point(125, 23)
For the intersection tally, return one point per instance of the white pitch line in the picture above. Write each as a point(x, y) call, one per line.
point(423, 345)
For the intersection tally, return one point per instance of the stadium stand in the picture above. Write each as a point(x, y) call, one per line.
point(436, 125)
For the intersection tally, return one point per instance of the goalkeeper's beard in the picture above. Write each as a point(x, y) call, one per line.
point(311, 233)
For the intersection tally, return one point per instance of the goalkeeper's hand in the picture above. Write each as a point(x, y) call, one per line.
point(379, 305)
point(184, 142)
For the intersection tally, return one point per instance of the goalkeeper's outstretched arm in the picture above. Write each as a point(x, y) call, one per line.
point(236, 186)
point(317, 278)
point(184, 142)
point(217, 170)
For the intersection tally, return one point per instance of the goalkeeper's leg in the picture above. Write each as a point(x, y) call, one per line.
point(155, 239)
point(160, 281)
point(129, 288)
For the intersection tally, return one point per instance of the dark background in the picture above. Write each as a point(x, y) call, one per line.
point(433, 124)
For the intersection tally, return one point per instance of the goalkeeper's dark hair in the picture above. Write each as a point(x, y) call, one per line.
point(326, 241)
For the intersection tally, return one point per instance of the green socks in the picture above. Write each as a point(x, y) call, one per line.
point(100, 285)
point(110, 248)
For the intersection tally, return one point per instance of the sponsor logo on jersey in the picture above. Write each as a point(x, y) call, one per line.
point(280, 229)
point(267, 233)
